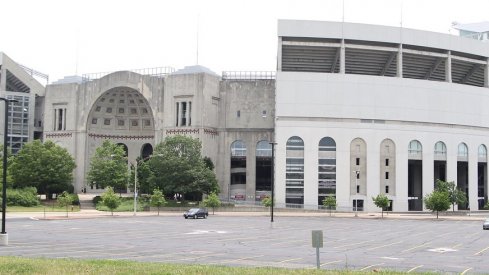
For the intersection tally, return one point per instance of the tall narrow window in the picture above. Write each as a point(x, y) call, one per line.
point(386, 162)
point(326, 169)
point(387, 189)
point(60, 119)
point(294, 177)
point(183, 120)
point(357, 161)
point(386, 175)
point(189, 113)
point(177, 113)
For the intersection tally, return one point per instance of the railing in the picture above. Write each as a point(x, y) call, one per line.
point(156, 72)
point(248, 75)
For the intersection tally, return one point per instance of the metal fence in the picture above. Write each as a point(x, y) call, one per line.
point(156, 72)
point(248, 75)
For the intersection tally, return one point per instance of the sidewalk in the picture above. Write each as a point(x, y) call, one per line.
point(91, 213)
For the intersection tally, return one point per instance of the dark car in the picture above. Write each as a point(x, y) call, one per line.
point(485, 226)
point(196, 213)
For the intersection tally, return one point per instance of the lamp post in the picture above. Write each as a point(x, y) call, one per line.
point(357, 173)
point(4, 235)
point(272, 180)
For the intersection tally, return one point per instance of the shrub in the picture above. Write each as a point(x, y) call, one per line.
point(96, 200)
point(75, 199)
point(22, 197)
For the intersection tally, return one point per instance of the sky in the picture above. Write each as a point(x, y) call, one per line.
point(68, 37)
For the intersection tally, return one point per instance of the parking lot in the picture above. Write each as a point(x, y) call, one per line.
point(349, 243)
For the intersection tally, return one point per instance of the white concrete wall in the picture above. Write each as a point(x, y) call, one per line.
point(313, 106)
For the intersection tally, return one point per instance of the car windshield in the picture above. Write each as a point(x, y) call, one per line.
point(193, 210)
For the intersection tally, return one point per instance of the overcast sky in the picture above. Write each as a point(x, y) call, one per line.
point(64, 37)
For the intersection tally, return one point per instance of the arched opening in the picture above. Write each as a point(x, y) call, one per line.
point(294, 177)
point(440, 161)
point(237, 190)
point(482, 176)
point(463, 172)
point(124, 147)
point(146, 150)
point(415, 176)
point(358, 173)
point(388, 169)
point(263, 169)
point(326, 169)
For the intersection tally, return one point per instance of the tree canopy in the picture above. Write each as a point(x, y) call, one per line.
point(212, 201)
point(455, 195)
point(46, 166)
point(437, 201)
point(9, 163)
point(178, 167)
point(381, 201)
point(330, 203)
point(108, 166)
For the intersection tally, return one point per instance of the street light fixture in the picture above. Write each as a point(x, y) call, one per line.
point(357, 173)
point(272, 179)
point(4, 235)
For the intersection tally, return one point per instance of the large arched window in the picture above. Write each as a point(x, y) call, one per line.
point(415, 148)
point(463, 151)
point(294, 185)
point(264, 149)
point(238, 149)
point(326, 168)
point(440, 150)
point(482, 153)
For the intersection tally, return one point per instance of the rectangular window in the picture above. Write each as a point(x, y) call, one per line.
point(134, 111)
point(357, 161)
point(386, 175)
point(121, 110)
point(386, 162)
point(178, 109)
point(108, 110)
point(387, 189)
point(60, 119)
point(94, 121)
point(189, 113)
point(120, 122)
point(107, 121)
point(358, 189)
point(358, 175)
point(238, 113)
point(147, 122)
point(134, 122)
point(183, 119)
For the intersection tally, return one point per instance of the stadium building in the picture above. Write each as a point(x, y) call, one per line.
point(353, 110)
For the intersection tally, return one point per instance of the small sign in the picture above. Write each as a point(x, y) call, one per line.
point(317, 238)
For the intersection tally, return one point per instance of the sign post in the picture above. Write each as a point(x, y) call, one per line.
point(317, 242)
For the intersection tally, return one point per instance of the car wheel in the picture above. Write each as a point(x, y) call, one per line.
point(195, 217)
point(186, 217)
point(205, 216)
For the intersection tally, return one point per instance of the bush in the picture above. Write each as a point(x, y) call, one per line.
point(96, 200)
point(22, 197)
point(75, 200)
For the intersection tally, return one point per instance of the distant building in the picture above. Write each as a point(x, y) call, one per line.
point(25, 116)
point(355, 111)
point(479, 31)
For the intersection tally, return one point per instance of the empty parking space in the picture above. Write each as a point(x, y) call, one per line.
point(349, 243)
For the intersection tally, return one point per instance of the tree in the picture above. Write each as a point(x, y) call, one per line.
point(437, 201)
point(381, 201)
point(9, 163)
point(267, 201)
point(108, 166)
point(46, 166)
point(330, 203)
point(455, 195)
point(157, 199)
point(212, 201)
point(177, 167)
point(65, 200)
point(110, 199)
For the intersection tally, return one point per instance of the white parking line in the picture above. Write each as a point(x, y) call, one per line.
point(414, 268)
point(414, 247)
point(346, 245)
point(367, 267)
point(377, 247)
point(480, 252)
point(465, 271)
point(290, 260)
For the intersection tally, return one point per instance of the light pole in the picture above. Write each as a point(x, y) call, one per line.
point(357, 173)
point(4, 235)
point(272, 180)
point(137, 162)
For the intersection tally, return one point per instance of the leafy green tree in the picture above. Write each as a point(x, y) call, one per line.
point(177, 167)
point(212, 201)
point(266, 201)
point(9, 164)
point(455, 195)
point(46, 166)
point(330, 203)
point(65, 200)
point(381, 201)
point(110, 199)
point(145, 175)
point(208, 163)
point(157, 199)
point(108, 166)
point(437, 201)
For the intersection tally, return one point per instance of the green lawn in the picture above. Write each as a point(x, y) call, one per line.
point(16, 265)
